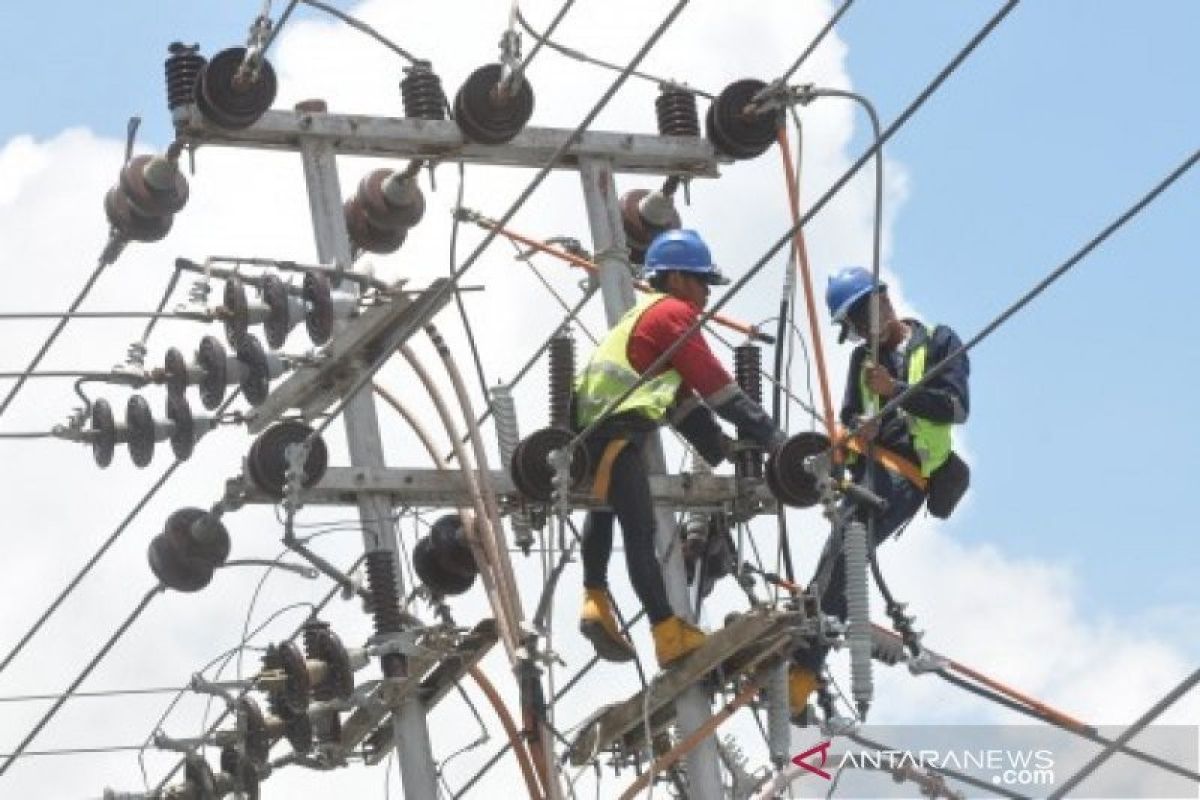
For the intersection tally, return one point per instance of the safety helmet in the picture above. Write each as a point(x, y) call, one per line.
point(847, 287)
point(682, 251)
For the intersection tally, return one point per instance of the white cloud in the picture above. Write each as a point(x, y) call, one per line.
point(1018, 619)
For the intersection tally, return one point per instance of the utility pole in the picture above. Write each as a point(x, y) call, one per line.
point(616, 284)
point(320, 137)
point(410, 726)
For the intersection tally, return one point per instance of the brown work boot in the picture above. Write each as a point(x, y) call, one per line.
point(674, 639)
point(802, 682)
point(597, 623)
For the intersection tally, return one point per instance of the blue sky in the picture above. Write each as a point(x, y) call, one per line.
point(1083, 451)
point(1068, 113)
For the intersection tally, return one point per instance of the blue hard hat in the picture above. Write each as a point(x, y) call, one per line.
point(847, 287)
point(682, 251)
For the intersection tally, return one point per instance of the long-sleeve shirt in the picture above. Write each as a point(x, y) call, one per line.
point(658, 328)
point(945, 399)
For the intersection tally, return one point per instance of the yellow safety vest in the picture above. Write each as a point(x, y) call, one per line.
point(931, 440)
point(609, 375)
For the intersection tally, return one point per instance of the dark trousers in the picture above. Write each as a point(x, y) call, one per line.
point(629, 497)
point(903, 501)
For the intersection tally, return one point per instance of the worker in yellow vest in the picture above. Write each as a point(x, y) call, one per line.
point(683, 393)
point(918, 431)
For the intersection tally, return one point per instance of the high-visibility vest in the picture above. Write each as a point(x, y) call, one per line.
point(609, 375)
point(931, 440)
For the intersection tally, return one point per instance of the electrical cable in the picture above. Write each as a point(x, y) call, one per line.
point(320, 606)
point(837, 185)
point(278, 26)
point(558, 298)
point(808, 51)
point(111, 251)
point(363, 27)
point(567, 687)
point(188, 316)
point(1045, 283)
point(943, 770)
point(172, 282)
point(91, 562)
point(82, 676)
point(522, 197)
point(462, 309)
point(539, 41)
point(579, 55)
point(222, 658)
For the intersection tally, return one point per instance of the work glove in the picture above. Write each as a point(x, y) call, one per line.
point(751, 420)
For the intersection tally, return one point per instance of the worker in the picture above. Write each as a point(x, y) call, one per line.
point(918, 433)
point(684, 392)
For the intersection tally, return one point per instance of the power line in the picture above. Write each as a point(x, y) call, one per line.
point(1122, 740)
point(137, 509)
point(579, 55)
point(82, 676)
point(363, 27)
point(75, 751)
point(1044, 284)
point(808, 51)
point(438, 294)
point(757, 267)
point(317, 609)
point(23, 698)
point(106, 258)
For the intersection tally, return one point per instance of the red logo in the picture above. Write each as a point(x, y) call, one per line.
point(823, 749)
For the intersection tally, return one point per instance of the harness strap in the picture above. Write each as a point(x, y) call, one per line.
point(604, 469)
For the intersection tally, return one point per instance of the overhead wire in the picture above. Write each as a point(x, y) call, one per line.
point(1045, 283)
point(558, 298)
point(106, 259)
point(816, 41)
point(837, 185)
point(522, 752)
point(541, 175)
point(1126, 736)
point(137, 509)
point(318, 608)
point(82, 676)
point(458, 301)
point(843, 8)
point(221, 658)
point(539, 41)
point(363, 27)
point(579, 55)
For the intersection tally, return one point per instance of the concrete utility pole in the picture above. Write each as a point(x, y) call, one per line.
point(320, 137)
point(417, 772)
point(616, 284)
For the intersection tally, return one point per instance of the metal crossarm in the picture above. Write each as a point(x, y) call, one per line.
point(383, 137)
point(367, 339)
point(738, 648)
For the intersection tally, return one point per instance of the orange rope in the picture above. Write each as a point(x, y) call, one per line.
point(974, 674)
point(510, 728)
point(583, 263)
point(891, 461)
point(793, 189)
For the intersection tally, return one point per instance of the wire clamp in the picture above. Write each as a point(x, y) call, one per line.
point(926, 661)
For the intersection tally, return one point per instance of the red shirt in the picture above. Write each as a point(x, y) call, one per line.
point(658, 328)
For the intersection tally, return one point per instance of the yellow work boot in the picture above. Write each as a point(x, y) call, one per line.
point(802, 682)
point(597, 623)
point(674, 639)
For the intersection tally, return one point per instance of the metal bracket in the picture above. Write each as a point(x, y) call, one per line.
point(926, 661)
point(367, 340)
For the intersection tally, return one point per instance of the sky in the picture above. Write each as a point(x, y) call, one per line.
point(1068, 572)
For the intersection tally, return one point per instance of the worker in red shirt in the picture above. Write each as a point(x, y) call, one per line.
point(684, 392)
